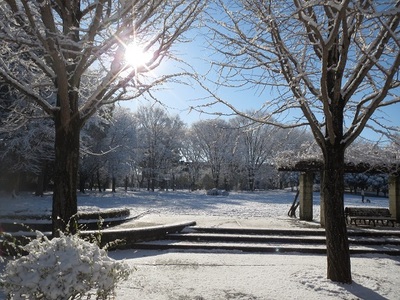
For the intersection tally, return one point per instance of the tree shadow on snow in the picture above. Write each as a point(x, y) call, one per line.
point(362, 292)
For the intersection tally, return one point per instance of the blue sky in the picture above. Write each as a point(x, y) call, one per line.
point(179, 98)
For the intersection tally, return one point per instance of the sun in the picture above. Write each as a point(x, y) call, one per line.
point(135, 56)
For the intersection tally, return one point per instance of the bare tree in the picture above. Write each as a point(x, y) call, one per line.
point(55, 43)
point(193, 156)
point(121, 139)
point(337, 62)
point(258, 144)
point(215, 139)
point(159, 143)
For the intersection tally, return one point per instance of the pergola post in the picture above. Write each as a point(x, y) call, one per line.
point(322, 205)
point(394, 196)
point(306, 196)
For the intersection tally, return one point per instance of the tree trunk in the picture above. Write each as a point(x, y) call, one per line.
point(251, 179)
point(216, 180)
point(91, 182)
point(337, 244)
point(14, 183)
point(113, 184)
point(82, 182)
point(98, 180)
point(106, 184)
point(65, 204)
point(40, 181)
point(126, 183)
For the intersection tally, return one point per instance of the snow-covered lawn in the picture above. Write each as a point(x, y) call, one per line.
point(197, 276)
point(227, 275)
point(262, 204)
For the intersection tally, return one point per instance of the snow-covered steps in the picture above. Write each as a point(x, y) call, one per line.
point(124, 238)
point(246, 238)
point(258, 248)
point(260, 231)
point(114, 238)
point(272, 241)
point(282, 239)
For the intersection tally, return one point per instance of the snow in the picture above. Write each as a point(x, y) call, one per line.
point(227, 275)
point(62, 268)
point(176, 275)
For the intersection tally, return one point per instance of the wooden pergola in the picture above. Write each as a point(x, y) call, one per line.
point(307, 168)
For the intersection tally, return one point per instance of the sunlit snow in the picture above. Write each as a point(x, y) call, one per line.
point(227, 275)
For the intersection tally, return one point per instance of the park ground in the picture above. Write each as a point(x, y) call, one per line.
point(199, 275)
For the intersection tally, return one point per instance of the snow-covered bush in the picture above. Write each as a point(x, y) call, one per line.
point(62, 268)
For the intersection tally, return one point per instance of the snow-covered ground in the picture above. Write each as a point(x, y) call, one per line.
point(227, 275)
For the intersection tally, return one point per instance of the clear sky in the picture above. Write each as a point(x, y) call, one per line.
point(179, 98)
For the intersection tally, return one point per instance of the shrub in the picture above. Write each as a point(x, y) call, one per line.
point(67, 267)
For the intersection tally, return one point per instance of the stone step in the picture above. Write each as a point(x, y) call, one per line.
point(260, 240)
point(367, 232)
point(259, 231)
point(245, 238)
point(114, 238)
point(259, 248)
point(298, 239)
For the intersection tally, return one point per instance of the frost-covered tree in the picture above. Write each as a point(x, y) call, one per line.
point(159, 137)
point(215, 139)
point(120, 142)
point(26, 150)
point(193, 159)
point(54, 44)
point(253, 146)
point(90, 163)
point(333, 64)
point(379, 183)
point(258, 144)
point(26, 141)
point(95, 146)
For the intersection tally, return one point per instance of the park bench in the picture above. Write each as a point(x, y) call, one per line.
point(368, 214)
